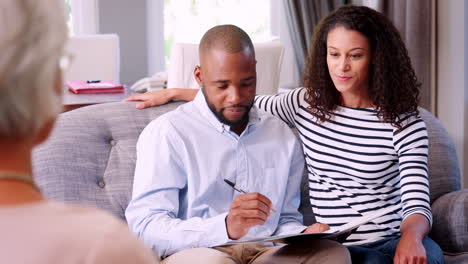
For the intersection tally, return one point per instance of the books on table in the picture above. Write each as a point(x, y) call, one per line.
point(94, 87)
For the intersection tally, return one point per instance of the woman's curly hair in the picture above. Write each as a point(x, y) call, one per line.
point(393, 86)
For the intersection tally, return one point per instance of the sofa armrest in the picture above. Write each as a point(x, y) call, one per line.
point(450, 225)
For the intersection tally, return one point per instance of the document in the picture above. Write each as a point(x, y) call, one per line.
point(332, 233)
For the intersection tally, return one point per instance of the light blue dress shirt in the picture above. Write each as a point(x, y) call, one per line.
point(180, 200)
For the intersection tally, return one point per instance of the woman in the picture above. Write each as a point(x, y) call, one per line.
point(364, 144)
point(33, 229)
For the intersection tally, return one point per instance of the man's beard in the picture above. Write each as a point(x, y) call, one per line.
point(219, 115)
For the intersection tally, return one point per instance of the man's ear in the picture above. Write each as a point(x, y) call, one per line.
point(198, 75)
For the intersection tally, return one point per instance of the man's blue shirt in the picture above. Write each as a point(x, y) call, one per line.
point(180, 199)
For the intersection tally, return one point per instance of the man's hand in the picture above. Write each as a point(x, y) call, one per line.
point(153, 98)
point(247, 210)
point(316, 228)
point(410, 250)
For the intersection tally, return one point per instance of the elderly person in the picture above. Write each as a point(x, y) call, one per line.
point(35, 230)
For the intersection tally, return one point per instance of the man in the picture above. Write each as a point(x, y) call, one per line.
point(182, 207)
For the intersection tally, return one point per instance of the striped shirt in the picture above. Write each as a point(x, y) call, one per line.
point(358, 165)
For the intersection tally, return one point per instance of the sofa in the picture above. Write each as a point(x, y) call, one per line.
point(90, 159)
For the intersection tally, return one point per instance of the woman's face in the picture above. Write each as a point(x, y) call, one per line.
point(348, 60)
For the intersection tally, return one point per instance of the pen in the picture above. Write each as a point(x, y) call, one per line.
point(240, 190)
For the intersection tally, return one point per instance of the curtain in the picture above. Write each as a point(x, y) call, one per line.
point(414, 20)
point(302, 16)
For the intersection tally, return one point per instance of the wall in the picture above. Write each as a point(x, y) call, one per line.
point(465, 161)
point(451, 87)
point(155, 35)
point(127, 19)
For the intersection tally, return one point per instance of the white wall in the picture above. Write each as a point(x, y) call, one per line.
point(452, 103)
point(128, 20)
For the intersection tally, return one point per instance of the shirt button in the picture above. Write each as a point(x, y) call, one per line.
point(112, 142)
point(101, 183)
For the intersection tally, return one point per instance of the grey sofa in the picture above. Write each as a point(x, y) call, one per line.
point(90, 159)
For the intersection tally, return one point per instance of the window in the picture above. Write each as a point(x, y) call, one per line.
point(188, 20)
point(81, 16)
point(69, 17)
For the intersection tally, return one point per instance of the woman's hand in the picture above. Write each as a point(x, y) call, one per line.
point(316, 228)
point(160, 97)
point(148, 99)
point(410, 250)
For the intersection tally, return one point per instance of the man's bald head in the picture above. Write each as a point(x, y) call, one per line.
point(228, 38)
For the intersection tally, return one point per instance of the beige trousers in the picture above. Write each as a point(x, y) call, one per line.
point(317, 252)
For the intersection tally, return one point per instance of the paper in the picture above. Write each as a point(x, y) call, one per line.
point(333, 233)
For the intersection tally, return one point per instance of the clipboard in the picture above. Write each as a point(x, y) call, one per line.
point(339, 233)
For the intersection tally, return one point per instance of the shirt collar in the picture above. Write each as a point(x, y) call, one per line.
point(202, 106)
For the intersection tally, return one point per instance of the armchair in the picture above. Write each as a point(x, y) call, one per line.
point(184, 58)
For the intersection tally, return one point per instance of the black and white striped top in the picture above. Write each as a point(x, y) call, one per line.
point(358, 164)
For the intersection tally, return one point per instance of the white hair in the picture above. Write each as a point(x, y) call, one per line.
point(32, 37)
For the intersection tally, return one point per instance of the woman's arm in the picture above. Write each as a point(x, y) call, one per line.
point(411, 144)
point(164, 96)
point(284, 106)
point(410, 249)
